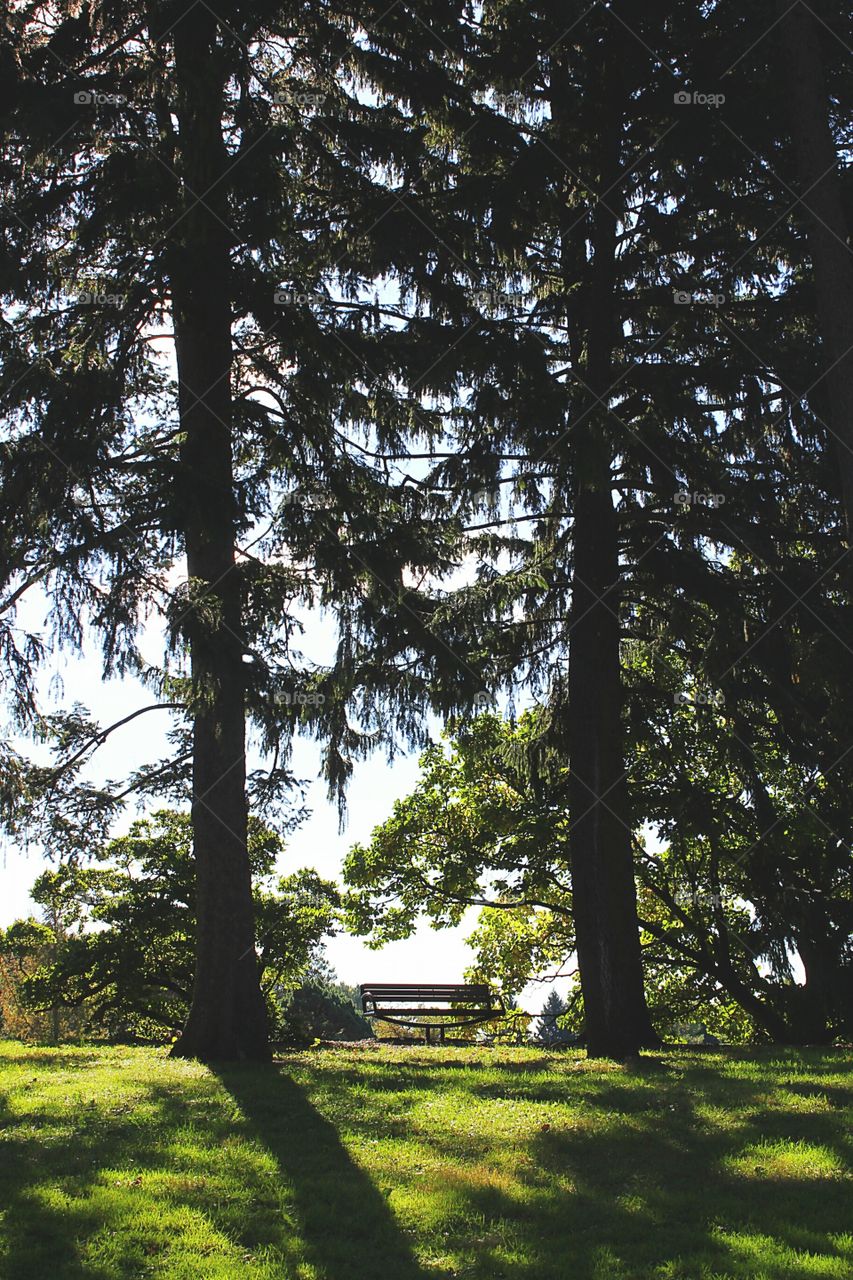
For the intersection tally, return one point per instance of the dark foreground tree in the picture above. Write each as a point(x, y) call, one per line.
point(196, 178)
point(674, 310)
point(803, 31)
point(227, 1012)
point(568, 175)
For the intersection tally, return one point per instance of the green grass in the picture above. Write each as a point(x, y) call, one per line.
point(403, 1163)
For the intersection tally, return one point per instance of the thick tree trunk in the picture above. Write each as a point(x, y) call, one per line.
point(821, 1008)
point(603, 887)
point(604, 895)
point(828, 234)
point(227, 1018)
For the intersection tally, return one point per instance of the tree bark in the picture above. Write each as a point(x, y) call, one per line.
point(603, 887)
point(828, 234)
point(821, 1008)
point(227, 1018)
point(604, 893)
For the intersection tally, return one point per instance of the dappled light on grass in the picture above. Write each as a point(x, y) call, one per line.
point(500, 1164)
point(784, 1159)
point(756, 1254)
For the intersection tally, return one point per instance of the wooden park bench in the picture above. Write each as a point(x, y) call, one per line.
point(408, 1003)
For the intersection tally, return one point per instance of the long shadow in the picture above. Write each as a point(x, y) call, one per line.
point(669, 1225)
point(645, 1174)
point(346, 1227)
point(42, 1239)
point(327, 1211)
point(663, 1191)
point(663, 1186)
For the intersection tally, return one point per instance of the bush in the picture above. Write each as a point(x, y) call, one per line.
point(320, 1011)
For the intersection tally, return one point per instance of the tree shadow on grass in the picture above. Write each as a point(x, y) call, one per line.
point(50, 1169)
point(347, 1230)
point(91, 1194)
point(637, 1179)
point(665, 1192)
point(672, 1202)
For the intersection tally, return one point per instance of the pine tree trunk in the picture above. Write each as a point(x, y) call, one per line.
point(227, 1018)
point(604, 893)
point(828, 234)
point(603, 888)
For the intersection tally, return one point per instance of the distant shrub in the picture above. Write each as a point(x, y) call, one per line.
point(320, 1011)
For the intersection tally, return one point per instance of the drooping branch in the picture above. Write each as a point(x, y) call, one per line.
point(98, 739)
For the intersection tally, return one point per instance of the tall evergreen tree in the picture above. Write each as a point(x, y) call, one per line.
point(803, 29)
point(576, 120)
point(670, 360)
point(206, 173)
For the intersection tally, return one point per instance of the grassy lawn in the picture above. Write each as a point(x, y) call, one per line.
point(402, 1163)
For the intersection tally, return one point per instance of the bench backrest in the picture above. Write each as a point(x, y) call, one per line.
point(411, 992)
